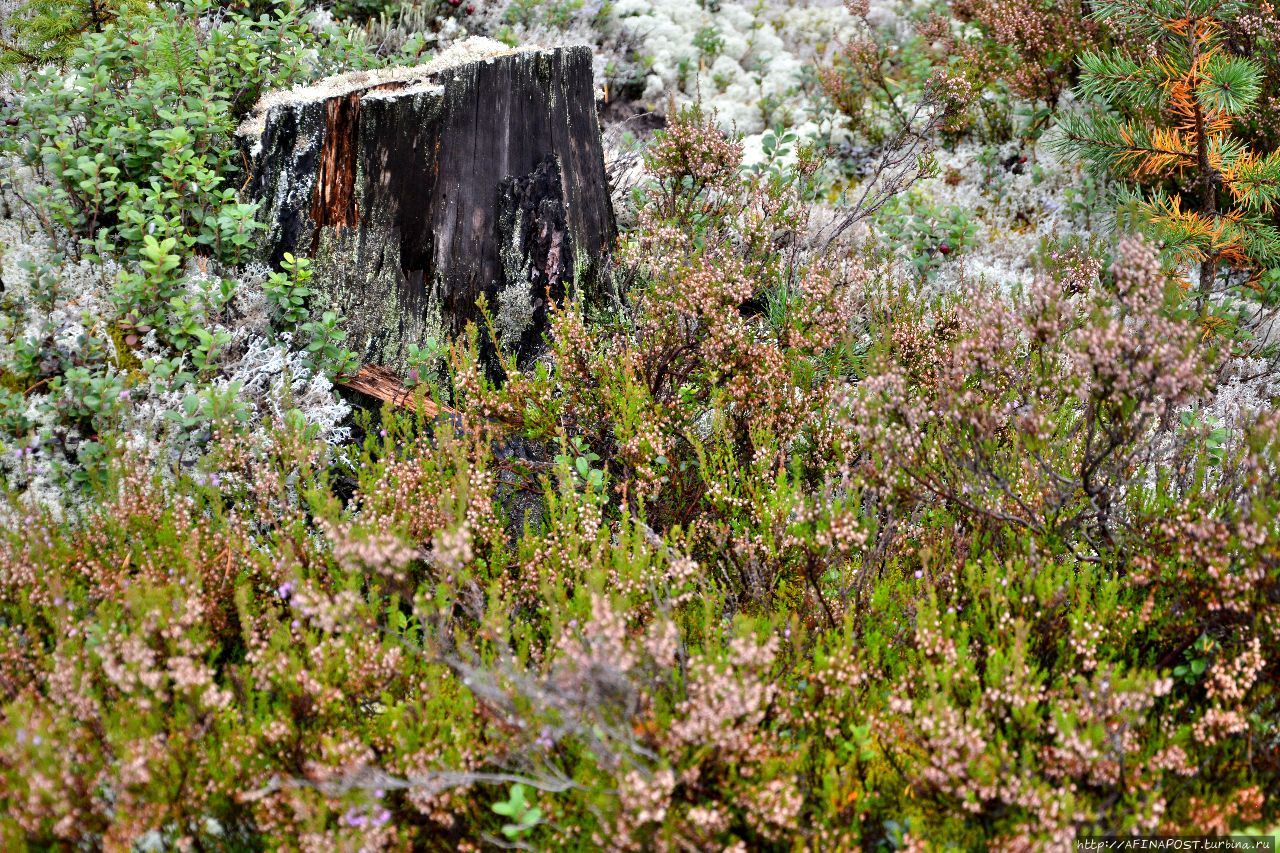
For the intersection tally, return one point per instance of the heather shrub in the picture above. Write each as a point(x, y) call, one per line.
point(1031, 46)
point(1073, 684)
point(872, 78)
point(915, 79)
point(908, 614)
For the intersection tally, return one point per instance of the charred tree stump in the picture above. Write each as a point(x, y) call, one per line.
point(416, 190)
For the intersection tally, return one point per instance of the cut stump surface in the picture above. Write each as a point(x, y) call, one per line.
point(416, 190)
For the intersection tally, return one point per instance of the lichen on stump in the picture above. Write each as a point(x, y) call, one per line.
point(416, 190)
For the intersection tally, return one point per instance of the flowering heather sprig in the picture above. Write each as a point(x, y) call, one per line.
point(693, 146)
point(385, 554)
point(1033, 45)
point(999, 390)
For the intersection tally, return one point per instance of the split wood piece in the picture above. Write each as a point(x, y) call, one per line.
point(381, 384)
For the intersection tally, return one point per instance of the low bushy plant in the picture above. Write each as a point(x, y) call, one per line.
point(808, 559)
point(1030, 45)
point(872, 79)
point(124, 166)
point(768, 549)
point(931, 234)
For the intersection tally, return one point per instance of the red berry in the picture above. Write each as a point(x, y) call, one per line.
point(944, 249)
point(471, 8)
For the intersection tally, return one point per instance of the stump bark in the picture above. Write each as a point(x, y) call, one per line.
point(414, 191)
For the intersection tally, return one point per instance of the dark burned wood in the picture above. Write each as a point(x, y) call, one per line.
point(415, 196)
point(533, 229)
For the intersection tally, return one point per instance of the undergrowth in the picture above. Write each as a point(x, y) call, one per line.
point(776, 549)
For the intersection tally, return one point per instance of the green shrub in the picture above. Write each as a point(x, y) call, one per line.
point(131, 175)
point(931, 234)
point(767, 553)
point(138, 139)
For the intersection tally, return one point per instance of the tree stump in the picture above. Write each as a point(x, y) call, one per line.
point(416, 190)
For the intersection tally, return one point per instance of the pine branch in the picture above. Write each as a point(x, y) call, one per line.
point(45, 31)
point(8, 47)
point(1260, 241)
point(1177, 92)
point(1254, 181)
point(1112, 144)
point(1120, 81)
point(1231, 85)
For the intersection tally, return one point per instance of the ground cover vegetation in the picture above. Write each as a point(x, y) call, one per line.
point(915, 487)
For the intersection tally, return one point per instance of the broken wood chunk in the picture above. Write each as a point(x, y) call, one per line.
point(381, 384)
